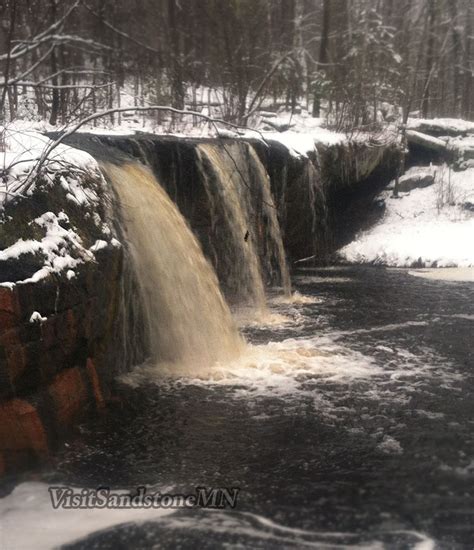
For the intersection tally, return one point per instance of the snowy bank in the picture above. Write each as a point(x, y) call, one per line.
point(431, 227)
point(441, 126)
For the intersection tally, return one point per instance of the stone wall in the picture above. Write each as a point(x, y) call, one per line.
point(57, 366)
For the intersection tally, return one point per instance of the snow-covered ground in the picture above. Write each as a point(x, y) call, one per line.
point(432, 226)
point(458, 274)
point(442, 126)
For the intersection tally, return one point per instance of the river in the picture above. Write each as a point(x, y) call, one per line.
point(349, 423)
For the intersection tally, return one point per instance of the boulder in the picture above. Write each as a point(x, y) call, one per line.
point(416, 180)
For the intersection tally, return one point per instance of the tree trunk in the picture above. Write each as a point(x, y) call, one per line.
point(323, 55)
point(177, 89)
point(6, 72)
point(456, 59)
point(53, 118)
point(468, 65)
point(425, 102)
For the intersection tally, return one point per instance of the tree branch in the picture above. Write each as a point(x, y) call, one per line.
point(45, 154)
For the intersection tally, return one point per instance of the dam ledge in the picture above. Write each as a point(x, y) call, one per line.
point(69, 297)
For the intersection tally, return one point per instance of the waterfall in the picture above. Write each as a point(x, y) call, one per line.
point(187, 322)
point(300, 195)
point(245, 230)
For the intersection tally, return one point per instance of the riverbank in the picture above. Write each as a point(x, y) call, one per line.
point(430, 226)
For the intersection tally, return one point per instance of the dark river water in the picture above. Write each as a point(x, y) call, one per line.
point(350, 424)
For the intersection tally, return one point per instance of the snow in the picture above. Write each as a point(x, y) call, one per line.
point(78, 177)
point(303, 130)
point(29, 504)
point(20, 151)
point(438, 143)
point(36, 317)
point(299, 131)
point(8, 285)
point(455, 135)
point(303, 135)
point(62, 249)
point(19, 248)
point(55, 247)
point(298, 145)
point(440, 125)
point(99, 245)
point(426, 227)
point(457, 274)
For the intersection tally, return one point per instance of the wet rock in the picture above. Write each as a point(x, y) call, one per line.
point(55, 371)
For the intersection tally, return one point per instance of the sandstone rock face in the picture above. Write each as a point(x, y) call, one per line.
point(59, 304)
point(353, 175)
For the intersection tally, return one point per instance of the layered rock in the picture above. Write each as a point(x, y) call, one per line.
point(60, 267)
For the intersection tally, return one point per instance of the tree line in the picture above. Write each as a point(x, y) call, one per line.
point(354, 62)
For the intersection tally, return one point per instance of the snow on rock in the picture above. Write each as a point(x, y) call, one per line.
point(300, 141)
point(71, 185)
point(454, 139)
point(226, 133)
point(298, 145)
point(21, 148)
point(99, 245)
point(415, 179)
point(61, 248)
point(8, 285)
point(431, 227)
point(36, 317)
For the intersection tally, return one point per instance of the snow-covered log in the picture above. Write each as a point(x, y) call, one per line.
point(426, 141)
point(441, 126)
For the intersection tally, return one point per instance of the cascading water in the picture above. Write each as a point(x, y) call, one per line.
point(187, 322)
point(300, 194)
point(317, 202)
point(272, 248)
point(244, 221)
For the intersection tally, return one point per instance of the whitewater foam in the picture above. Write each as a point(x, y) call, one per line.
point(30, 523)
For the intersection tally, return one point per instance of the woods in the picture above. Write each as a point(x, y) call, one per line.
point(354, 62)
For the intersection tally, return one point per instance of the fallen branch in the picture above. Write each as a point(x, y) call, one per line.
point(428, 142)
